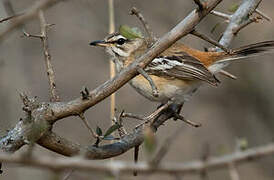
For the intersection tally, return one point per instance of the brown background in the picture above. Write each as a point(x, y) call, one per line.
point(236, 109)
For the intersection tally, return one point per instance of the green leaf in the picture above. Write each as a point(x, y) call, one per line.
point(99, 131)
point(130, 33)
point(242, 143)
point(233, 7)
point(112, 128)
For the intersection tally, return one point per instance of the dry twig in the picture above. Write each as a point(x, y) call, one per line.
point(151, 37)
point(221, 15)
point(210, 40)
point(50, 73)
point(83, 118)
point(237, 29)
point(27, 15)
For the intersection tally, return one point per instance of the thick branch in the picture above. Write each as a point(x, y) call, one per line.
point(192, 167)
point(244, 10)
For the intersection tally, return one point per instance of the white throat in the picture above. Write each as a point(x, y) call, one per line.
point(120, 52)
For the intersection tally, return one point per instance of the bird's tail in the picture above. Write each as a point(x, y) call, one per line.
point(243, 52)
point(249, 51)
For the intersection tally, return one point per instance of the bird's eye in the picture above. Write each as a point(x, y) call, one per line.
point(121, 41)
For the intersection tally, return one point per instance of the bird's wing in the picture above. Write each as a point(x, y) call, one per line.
point(181, 66)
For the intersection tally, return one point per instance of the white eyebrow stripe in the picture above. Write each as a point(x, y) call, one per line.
point(120, 36)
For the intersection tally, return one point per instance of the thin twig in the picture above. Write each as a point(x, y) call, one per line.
point(134, 116)
point(221, 15)
point(155, 114)
point(10, 17)
point(111, 63)
point(43, 36)
point(191, 123)
point(28, 14)
point(151, 37)
point(237, 29)
point(11, 13)
point(50, 73)
point(31, 35)
point(210, 40)
point(244, 10)
point(263, 15)
point(83, 118)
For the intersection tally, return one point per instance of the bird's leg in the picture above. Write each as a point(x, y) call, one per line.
point(169, 106)
point(176, 108)
point(148, 78)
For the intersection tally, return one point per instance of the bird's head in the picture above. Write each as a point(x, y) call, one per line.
point(123, 43)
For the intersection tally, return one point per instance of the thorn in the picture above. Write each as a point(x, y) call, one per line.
point(263, 15)
point(193, 124)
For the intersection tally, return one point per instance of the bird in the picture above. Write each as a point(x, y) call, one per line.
point(179, 70)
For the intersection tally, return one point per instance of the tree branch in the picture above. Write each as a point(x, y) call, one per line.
point(191, 167)
point(210, 40)
point(151, 37)
point(50, 73)
point(29, 14)
point(221, 15)
point(244, 10)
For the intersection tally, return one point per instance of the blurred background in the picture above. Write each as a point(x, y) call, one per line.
point(233, 110)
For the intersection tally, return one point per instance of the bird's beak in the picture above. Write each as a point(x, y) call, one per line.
point(101, 43)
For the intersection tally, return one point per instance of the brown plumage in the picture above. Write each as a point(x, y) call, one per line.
point(179, 70)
